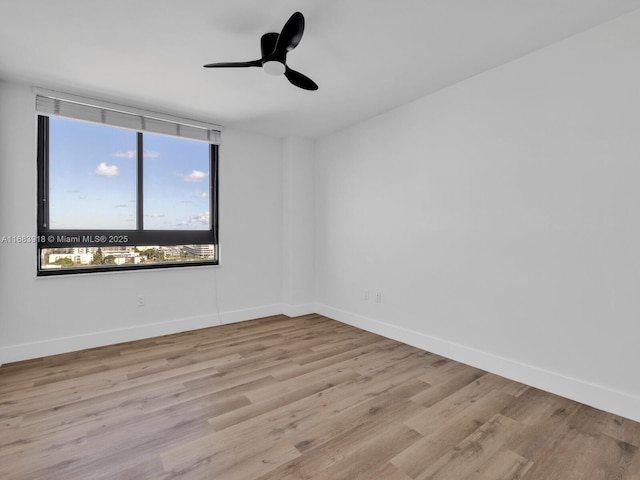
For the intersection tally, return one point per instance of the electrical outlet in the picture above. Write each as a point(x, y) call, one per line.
point(366, 295)
point(378, 297)
point(141, 300)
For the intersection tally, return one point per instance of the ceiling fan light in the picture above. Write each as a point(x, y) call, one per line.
point(273, 67)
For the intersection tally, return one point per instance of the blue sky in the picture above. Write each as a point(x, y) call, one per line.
point(92, 183)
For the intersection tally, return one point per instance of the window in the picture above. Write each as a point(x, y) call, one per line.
point(119, 190)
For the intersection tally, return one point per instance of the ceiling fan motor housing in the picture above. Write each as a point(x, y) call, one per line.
point(273, 67)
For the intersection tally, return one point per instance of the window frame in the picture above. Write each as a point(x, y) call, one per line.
point(71, 238)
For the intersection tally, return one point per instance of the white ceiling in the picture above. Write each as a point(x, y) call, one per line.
point(367, 56)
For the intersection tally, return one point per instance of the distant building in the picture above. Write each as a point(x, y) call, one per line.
point(122, 254)
point(171, 251)
point(201, 251)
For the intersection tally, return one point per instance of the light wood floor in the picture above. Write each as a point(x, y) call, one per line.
point(302, 398)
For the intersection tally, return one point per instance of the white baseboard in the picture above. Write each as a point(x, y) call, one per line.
point(250, 313)
point(54, 346)
point(298, 310)
point(597, 396)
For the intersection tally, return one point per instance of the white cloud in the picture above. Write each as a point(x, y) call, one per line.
point(202, 195)
point(107, 170)
point(131, 154)
point(156, 215)
point(195, 176)
point(202, 219)
point(120, 205)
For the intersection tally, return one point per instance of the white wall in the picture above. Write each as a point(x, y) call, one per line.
point(500, 220)
point(41, 316)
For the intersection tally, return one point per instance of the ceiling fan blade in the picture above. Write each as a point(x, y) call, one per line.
point(253, 63)
point(268, 44)
point(291, 34)
point(300, 80)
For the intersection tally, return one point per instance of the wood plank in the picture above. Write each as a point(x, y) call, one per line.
point(442, 439)
point(463, 460)
point(504, 465)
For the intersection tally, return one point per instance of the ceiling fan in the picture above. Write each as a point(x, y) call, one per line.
point(274, 48)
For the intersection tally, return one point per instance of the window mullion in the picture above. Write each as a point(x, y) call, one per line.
point(43, 172)
point(213, 191)
point(140, 187)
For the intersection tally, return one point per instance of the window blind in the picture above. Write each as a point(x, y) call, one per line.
point(80, 108)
